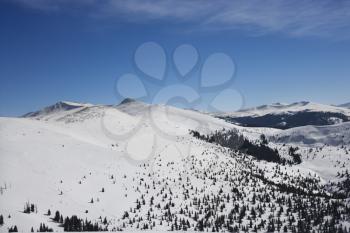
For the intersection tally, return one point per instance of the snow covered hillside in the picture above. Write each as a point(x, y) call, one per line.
point(135, 166)
point(334, 135)
point(346, 105)
point(324, 149)
point(284, 116)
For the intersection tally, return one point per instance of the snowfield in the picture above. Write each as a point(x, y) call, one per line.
point(137, 166)
point(334, 135)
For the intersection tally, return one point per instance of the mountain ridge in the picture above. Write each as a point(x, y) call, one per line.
point(284, 107)
point(285, 116)
point(310, 106)
point(345, 105)
point(58, 106)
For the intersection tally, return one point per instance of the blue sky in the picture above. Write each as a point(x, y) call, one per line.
point(282, 51)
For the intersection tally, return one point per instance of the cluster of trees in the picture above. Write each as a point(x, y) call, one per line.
point(29, 208)
point(74, 223)
point(1, 220)
point(344, 184)
point(286, 121)
point(233, 140)
point(58, 218)
point(296, 157)
point(13, 229)
point(44, 228)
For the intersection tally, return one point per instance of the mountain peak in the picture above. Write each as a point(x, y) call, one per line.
point(128, 100)
point(71, 103)
point(303, 103)
point(59, 106)
point(278, 104)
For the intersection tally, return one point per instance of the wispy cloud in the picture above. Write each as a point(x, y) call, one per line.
point(294, 18)
point(53, 5)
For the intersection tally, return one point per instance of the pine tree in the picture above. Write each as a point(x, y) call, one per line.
point(57, 216)
point(26, 208)
point(32, 208)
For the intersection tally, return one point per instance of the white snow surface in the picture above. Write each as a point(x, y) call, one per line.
point(50, 153)
point(61, 159)
point(333, 135)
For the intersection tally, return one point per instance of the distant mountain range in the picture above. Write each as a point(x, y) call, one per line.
point(285, 116)
point(277, 115)
point(346, 105)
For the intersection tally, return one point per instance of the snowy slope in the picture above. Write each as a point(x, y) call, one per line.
point(324, 149)
point(63, 159)
point(38, 161)
point(334, 135)
point(71, 144)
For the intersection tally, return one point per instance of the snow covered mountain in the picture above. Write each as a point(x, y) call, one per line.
point(135, 167)
point(346, 105)
point(55, 109)
point(284, 116)
point(335, 135)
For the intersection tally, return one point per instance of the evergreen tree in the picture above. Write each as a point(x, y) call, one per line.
point(13, 229)
point(57, 216)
